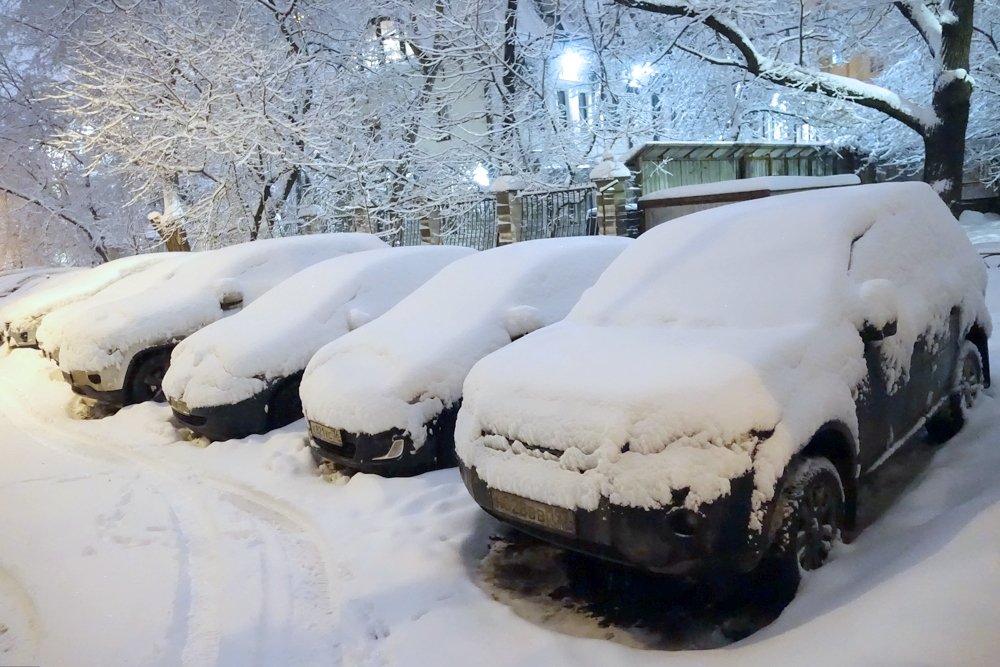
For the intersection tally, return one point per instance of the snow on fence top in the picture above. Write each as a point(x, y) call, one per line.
point(162, 308)
point(732, 321)
point(221, 364)
point(405, 367)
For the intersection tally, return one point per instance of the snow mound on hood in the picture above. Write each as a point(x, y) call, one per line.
point(220, 364)
point(164, 309)
point(405, 367)
point(716, 345)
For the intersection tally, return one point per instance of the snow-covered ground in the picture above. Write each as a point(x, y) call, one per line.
point(125, 544)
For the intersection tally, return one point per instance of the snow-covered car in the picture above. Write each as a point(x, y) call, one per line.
point(21, 319)
point(712, 401)
point(223, 384)
point(384, 398)
point(116, 350)
point(18, 284)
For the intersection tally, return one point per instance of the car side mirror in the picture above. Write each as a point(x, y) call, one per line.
point(231, 300)
point(880, 307)
point(872, 334)
point(522, 320)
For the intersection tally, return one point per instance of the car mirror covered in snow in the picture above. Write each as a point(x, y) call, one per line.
point(881, 309)
point(230, 295)
point(522, 320)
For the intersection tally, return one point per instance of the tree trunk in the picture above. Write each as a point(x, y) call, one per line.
point(168, 225)
point(944, 144)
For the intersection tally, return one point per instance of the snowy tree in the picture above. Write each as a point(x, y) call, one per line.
point(781, 43)
point(53, 209)
point(199, 106)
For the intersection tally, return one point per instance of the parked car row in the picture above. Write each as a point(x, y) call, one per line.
point(703, 398)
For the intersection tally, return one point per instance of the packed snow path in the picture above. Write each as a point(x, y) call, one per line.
point(121, 543)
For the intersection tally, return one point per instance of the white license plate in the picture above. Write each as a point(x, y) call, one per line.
point(531, 511)
point(326, 433)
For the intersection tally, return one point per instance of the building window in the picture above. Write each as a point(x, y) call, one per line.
point(575, 104)
point(391, 45)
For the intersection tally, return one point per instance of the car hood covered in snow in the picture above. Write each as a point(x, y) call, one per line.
point(635, 413)
point(717, 345)
point(221, 364)
point(405, 367)
point(163, 309)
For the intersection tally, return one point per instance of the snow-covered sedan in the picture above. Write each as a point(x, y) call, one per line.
point(116, 350)
point(19, 284)
point(384, 398)
point(712, 401)
point(21, 319)
point(223, 383)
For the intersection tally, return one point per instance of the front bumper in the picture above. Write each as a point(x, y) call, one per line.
point(389, 453)
point(226, 422)
point(720, 540)
point(89, 384)
point(21, 338)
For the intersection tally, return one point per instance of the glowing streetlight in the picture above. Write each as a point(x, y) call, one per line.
point(481, 176)
point(571, 64)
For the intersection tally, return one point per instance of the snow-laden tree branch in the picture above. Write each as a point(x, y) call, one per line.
point(941, 121)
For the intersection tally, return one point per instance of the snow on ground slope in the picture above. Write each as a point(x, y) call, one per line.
point(123, 544)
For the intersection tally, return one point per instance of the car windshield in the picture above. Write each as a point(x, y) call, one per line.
point(770, 262)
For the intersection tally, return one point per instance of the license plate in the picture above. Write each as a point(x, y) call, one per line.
point(326, 434)
point(547, 516)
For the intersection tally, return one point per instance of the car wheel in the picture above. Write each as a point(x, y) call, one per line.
point(812, 509)
point(146, 383)
point(969, 381)
point(286, 405)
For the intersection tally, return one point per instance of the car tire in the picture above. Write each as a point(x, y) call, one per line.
point(811, 507)
point(286, 404)
point(146, 380)
point(969, 380)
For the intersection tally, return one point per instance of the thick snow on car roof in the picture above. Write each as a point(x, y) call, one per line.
point(15, 284)
point(63, 322)
point(732, 321)
point(775, 261)
point(167, 309)
point(222, 364)
point(405, 367)
point(25, 313)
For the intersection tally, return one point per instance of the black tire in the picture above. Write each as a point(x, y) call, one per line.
point(286, 404)
point(811, 505)
point(969, 381)
point(442, 432)
point(146, 379)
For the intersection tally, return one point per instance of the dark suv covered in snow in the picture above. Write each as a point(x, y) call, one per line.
point(713, 400)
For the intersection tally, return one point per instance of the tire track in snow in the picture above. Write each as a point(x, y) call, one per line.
point(22, 630)
point(281, 529)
